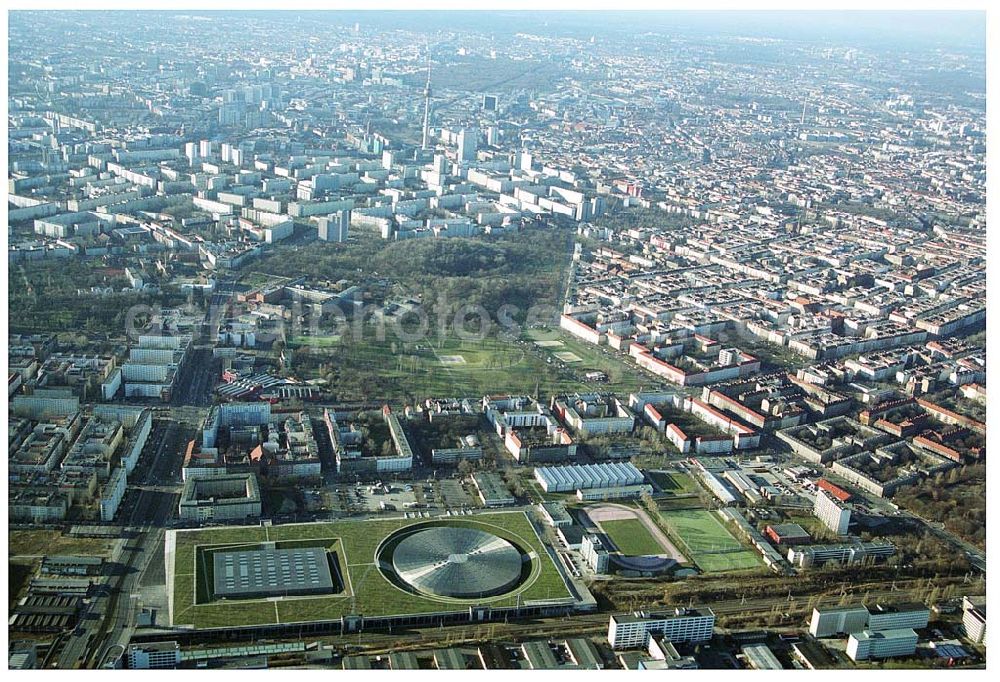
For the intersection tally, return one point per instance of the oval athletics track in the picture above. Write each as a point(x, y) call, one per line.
point(617, 512)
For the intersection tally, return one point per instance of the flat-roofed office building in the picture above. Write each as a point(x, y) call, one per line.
point(234, 496)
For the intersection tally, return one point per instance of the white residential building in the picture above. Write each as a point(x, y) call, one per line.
point(680, 625)
point(833, 515)
point(593, 552)
point(865, 645)
point(112, 494)
point(154, 655)
point(838, 621)
point(334, 227)
point(898, 616)
point(974, 619)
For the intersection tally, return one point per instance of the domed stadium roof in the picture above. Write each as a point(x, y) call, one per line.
point(453, 561)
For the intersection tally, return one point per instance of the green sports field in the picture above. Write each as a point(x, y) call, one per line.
point(631, 537)
point(365, 589)
point(674, 483)
point(707, 542)
point(320, 341)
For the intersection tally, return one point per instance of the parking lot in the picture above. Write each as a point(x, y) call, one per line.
point(457, 494)
point(450, 494)
point(360, 499)
point(395, 497)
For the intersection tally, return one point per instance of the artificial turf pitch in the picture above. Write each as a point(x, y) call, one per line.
point(707, 542)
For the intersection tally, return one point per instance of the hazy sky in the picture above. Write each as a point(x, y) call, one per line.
point(964, 29)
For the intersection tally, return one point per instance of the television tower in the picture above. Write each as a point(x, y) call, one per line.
point(427, 103)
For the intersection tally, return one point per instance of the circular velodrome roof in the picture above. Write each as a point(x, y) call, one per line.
point(453, 561)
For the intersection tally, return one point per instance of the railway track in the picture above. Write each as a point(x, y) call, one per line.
point(796, 609)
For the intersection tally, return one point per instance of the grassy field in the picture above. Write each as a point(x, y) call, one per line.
point(42, 542)
point(674, 482)
point(631, 537)
point(366, 591)
point(392, 369)
point(621, 375)
point(707, 542)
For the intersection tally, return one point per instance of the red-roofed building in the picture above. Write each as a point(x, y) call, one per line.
point(834, 490)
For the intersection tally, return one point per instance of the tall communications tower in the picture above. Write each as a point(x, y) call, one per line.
point(427, 103)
